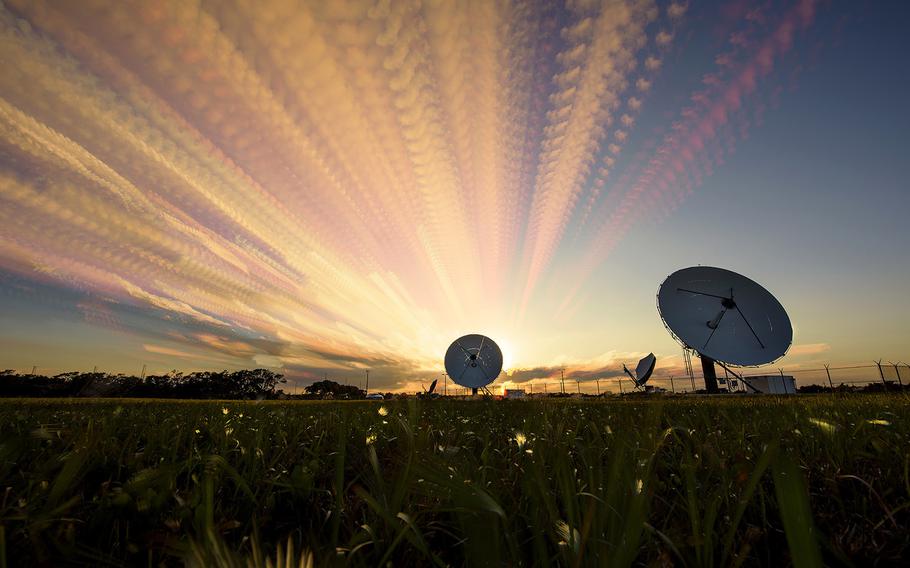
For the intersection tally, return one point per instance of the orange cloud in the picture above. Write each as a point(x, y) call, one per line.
point(334, 186)
point(805, 349)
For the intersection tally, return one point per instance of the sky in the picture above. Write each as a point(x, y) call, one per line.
point(322, 188)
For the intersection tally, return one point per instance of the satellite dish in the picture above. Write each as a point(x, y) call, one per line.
point(429, 394)
point(724, 317)
point(473, 361)
point(643, 370)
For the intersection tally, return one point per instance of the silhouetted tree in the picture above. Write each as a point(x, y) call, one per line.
point(256, 383)
point(322, 389)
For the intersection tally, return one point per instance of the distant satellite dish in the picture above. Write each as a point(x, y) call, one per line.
point(643, 370)
point(473, 361)
point(725, 317)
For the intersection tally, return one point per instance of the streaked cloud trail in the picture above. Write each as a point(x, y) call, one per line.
point(339, 184)
point(697, 140)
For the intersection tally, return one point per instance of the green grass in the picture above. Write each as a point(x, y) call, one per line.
point(800, 481)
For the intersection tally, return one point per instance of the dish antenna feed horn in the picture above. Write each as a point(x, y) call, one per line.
point(473, 361)
point(724, 317)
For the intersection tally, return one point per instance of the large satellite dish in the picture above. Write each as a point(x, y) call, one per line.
point(473, 361)
point(724, 317)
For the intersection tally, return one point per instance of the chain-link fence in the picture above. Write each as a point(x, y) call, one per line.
point(856, 376)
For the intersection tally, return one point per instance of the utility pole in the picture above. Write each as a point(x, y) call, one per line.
point(95, 370)
point(142, 375)
point(672, 388)
point(578, 385)
point(367, 390)
point(445, 384)
point(620, 385)
point(34, 369)
point(828, 372)
point(598, 386)
point(562, 380)
point(545, 387)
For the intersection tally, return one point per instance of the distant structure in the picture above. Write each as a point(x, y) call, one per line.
point(429, 393)
point(724, 317)
point(513, 393)
point(473, 361)
point(773, 384)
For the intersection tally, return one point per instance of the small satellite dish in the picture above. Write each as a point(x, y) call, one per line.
point(429, 394)
point(724, 317)
point(643, 370)
point(473, 361)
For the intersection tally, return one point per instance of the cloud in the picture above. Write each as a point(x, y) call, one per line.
point(692, 146)
point(677, 9)
point(588, 97)
point(805, 349)
point(604, 366)
point(334, 187)
point(161, 350)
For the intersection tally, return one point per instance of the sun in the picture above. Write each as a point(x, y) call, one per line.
point(507, 354)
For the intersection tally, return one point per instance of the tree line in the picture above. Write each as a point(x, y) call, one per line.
point(244, 384)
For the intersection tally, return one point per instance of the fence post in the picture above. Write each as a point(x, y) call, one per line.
point(828, 372)
point(881, 374)
point(898, 371)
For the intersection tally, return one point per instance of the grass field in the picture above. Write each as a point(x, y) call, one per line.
point(686, 482)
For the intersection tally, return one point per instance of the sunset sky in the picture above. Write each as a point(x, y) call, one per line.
point(325, 187)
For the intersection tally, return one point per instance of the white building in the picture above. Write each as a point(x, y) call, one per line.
point(773, 384)
point(513, 393)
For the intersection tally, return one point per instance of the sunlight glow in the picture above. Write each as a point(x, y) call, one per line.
point(344, 186)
